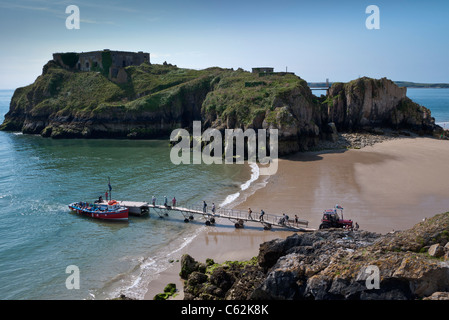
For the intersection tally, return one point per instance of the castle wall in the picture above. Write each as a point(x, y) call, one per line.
point(90, 60)
point(57, 58)
point(263, 70)
point(120, 59)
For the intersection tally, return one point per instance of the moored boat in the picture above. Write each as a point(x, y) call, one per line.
point(111, 211)
point(135, 208)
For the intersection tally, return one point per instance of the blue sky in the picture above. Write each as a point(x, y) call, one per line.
point(314, 39)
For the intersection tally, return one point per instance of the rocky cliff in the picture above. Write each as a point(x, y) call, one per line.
point(157, 99)
point(366, 103)
point(333, 264)
point(65, 104)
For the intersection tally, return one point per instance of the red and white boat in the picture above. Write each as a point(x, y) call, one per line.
point(112, 210)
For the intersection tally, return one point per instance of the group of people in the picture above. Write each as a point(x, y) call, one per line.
point(283, 220)
point(262, 213)
point(173, 201)
point(100, 198)
point(88, 206)
point(205, 207)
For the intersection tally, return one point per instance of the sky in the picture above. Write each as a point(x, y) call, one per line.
point(315, 39)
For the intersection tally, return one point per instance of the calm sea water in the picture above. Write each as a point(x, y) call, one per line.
point(437, 100)
point(40, 238)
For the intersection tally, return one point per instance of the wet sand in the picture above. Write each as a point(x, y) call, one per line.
point(389, 186)
point(222, 242)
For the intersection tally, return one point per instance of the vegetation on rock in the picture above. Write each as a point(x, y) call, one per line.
point(169, 291)
point(332, 264)
point(157, 99)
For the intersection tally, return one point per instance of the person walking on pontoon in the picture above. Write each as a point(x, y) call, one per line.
point(249, 214)
point(154, 201)
point(204, 206)
point(261, 215)
point(174, 202)
point(283, 219)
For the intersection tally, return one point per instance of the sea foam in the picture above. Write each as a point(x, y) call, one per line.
point(255, 172)
point(151, 268)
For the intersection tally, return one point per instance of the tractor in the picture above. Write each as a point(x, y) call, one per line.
point(332, 220)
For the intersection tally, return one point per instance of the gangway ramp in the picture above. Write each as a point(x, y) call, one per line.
point(238, 217)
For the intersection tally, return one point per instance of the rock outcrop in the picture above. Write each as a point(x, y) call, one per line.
point(366, 103)
point(338, 264)
point(157, 99)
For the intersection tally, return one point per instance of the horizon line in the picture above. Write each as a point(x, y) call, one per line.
point(308, 82)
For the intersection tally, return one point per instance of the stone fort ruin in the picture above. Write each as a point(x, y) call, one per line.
point(109, 63)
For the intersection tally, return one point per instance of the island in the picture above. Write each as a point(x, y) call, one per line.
point(114, 94)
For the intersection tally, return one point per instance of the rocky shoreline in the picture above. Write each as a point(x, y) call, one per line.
point(360, 140)
point(332, 264)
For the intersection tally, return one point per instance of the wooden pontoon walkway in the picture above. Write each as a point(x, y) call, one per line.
point(237, 216)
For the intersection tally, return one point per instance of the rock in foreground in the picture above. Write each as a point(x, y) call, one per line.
point(336, 264)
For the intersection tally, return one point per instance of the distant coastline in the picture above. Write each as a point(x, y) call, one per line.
point(406, 84)
point(422, 85)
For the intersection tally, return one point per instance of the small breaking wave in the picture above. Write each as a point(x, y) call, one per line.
point(135, 283)
point(255, 172)
point(147, 270)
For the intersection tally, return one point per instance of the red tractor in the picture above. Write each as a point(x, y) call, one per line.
point(332, 220)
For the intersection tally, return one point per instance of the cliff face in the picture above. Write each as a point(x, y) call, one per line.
point(157, 99)
point(284, 102)
point(66, 104)
point(335, 264)
point(365, 103)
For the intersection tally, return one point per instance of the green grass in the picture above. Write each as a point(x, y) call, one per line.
point(243, 95)
point(224, 93)
point(169, 291)
point(211, 266)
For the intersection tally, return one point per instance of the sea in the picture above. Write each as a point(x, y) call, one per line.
point(437, 100)
point(42, 241)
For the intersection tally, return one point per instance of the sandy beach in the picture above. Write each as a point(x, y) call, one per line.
point(222, 242)
point(388, 186)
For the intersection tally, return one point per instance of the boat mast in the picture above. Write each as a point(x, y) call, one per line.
point(110, 188)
